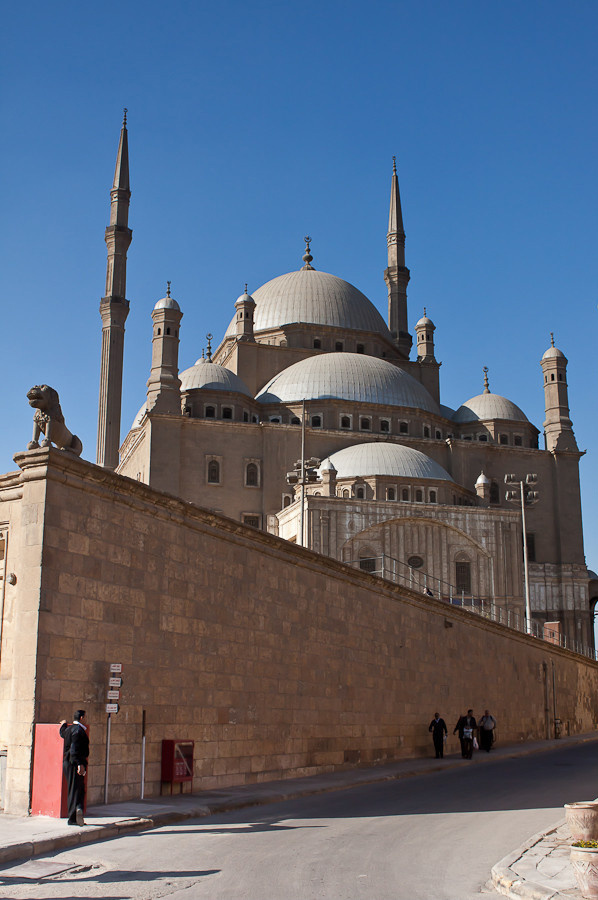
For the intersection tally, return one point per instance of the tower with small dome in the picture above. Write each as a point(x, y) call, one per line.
point(401, 476)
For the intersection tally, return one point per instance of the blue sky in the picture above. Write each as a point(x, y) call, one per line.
point(251, 125)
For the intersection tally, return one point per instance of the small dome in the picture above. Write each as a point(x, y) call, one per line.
point(488, 406)
point(211, 377)
point(315, 298)
point(554, 353)
point(482, 479)
point(347, 376)
point(425, 322)
point(167, 303)
point(382, 458)
point(327, 466)
point(244, 298)
point(138, 418)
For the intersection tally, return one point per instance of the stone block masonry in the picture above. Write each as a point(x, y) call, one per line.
point(276, 661)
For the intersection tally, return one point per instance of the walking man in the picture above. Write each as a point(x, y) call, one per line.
point(466, 727)
point(439, 730)
point(487, 726)
point(74, 764)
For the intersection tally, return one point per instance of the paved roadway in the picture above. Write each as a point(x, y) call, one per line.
point(430, 837)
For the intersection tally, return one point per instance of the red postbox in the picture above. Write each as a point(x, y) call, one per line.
point(49, 789)
point(177, 763)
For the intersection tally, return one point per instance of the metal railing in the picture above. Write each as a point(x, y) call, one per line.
point(398, 572)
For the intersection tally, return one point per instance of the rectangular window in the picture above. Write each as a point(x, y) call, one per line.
point(252, 520)
point(531, 546)
point(463, 577)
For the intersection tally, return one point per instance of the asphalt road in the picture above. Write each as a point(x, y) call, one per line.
point(430, 837)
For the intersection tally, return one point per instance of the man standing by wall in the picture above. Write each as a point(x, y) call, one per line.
point(74, 764)
point(466, 727)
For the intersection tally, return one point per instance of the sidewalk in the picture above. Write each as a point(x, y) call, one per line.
point(538, 870)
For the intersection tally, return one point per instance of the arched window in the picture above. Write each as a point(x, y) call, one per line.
point(360, 493)
point(503, 439)
point(517, 440)
point(552, 376)
point(316, 421)
point(213, 472)
point(227, 412)
point(286, 501)
point(210, 412)
point(384, 425)
point(482, 437)
point(251, 475)
point(345, 422)
point(361, 348)
point(346, 494)
point(317, 344)
point(419, 496)
point(159, 331)
point(391, 494)
point(275, 420)
point(364, 424)
point(494, 492)
point(438, 435)
point(426, 431)
point(168, 331)
point(405, 494)
point(432, 496)
point(367, 565)
point(463, 576)
point(339, 346)
point(295, 421)
point(404, 428)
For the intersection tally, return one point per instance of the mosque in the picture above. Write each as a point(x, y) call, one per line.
point(316, 420)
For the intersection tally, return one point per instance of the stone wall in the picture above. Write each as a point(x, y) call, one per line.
point(278, 662)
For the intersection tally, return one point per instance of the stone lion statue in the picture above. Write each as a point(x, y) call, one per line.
point(48, 420)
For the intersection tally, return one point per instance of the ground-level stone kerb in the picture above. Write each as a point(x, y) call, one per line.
point(276, 661)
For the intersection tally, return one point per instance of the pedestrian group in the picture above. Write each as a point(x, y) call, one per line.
point(468, 730)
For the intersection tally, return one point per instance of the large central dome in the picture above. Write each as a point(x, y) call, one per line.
point(347, 376)
point(316, 298)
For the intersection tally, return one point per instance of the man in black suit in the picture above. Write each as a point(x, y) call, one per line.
point(74, 764)
point(466, 727)
point(438, 729)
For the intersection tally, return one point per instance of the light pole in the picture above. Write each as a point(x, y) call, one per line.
point(525, 495)
point(304, 472)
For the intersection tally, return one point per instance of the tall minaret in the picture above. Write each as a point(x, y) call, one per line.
point(558, 429)
point(114, 309)
point(396, 275)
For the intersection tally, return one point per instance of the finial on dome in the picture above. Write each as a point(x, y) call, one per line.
point(425, 313)
point(486, 385)
point(168, 283)
point(552, 338)
point(209, 350)
point(307, 257)
point(125, 111)
point(245, 287)
point(394, 165)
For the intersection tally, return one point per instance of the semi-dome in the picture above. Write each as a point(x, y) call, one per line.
point(488, 406)
point(138, 418)
point(383, 458)
point(347, 376)
point(212, 377)
point(316, 298)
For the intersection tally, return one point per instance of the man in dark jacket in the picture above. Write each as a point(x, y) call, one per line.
point(74, 764)
point(438, 729)
point(466, 727)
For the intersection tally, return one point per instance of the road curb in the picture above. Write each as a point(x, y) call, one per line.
point(507, 882)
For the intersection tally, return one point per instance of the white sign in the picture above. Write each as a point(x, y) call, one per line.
point(113, 695)
point(115, 682)
point(112, 707)
point(116, 667)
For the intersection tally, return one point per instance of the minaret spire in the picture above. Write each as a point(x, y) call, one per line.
point(396, 275)
point(114, 308)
